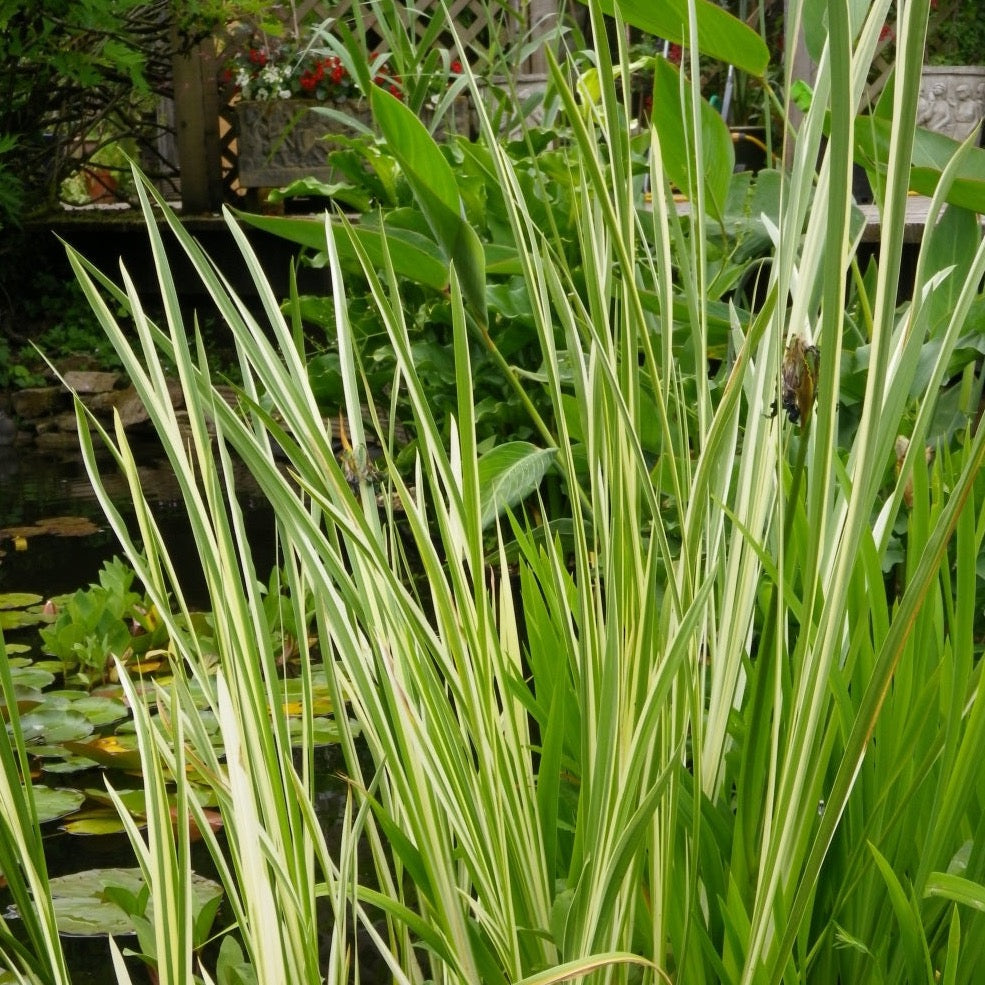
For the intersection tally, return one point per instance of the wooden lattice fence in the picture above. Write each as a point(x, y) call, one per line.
point(493, 32)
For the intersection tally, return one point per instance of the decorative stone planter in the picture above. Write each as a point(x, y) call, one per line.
point(282, 140)
point(952, 99)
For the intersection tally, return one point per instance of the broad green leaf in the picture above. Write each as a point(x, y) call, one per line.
point(31, 677)
point(433, 183)
point(94, 825)
point(101, 711)
point(508, 474)
point(55, 727)
point(720, 35)
point(931, 154)
point(414, 256)
point(674, 129)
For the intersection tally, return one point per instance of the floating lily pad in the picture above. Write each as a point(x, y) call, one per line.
point(54, 526)
point(55, 701)
point(132, 800)
point(115, 751)
point(32, 677)
point(55, 727)
point(68, 764)
point(82, 908)
point(18, 618)
point(325, 731)
point(55, 802)
point(26, 697)
point(53, 666)
point(101, 711)
point(94, 823)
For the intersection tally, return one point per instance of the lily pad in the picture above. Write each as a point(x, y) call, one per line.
point(83, 909)
point(69, 764)
point(18, 618)
point(101, 711)
point(115, 751)
point(55, 727)
point(26, 697)
point(94, 823)
point(31, 677)
point(55, 802)
point(54, 526)
point(325, 731)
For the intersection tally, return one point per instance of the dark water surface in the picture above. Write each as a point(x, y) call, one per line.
point(38, 486)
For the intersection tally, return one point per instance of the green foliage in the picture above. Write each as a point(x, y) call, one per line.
point(103, 621)
point(956, 35)
point(687, 729)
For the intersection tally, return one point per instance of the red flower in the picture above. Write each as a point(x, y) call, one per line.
point(338, 74)
point(887, 33)
point(308, 82)
point(456, 67)
point(674, 53)
point(258, 56)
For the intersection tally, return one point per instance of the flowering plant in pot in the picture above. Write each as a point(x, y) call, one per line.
point(285, 70)
point(292, 95)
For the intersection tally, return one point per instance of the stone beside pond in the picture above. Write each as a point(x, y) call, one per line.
point(44, 415)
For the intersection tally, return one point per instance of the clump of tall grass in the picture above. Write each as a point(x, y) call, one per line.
point(689, 735)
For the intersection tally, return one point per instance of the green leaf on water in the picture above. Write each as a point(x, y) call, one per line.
point(18, 600)
point(18, 618)
point(32, 677)
point(107, 823)
point(101, 711)
point(325, 731)
point(69, 764)
point(54, 727)
point(82, 908)
point(55, 802)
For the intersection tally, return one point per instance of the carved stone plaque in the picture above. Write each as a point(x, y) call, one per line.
point(281, 140)
point(952, 99)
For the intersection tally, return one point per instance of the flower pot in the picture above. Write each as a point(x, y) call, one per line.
point(751, 151)
point(952, 99)
point(282, 140)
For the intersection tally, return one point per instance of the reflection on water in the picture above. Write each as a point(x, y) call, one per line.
point(37, 485)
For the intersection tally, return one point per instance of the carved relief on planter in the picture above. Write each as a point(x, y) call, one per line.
point(952, 99)
point(282, 140)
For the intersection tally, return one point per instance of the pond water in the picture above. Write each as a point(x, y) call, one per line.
point(38, 486)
